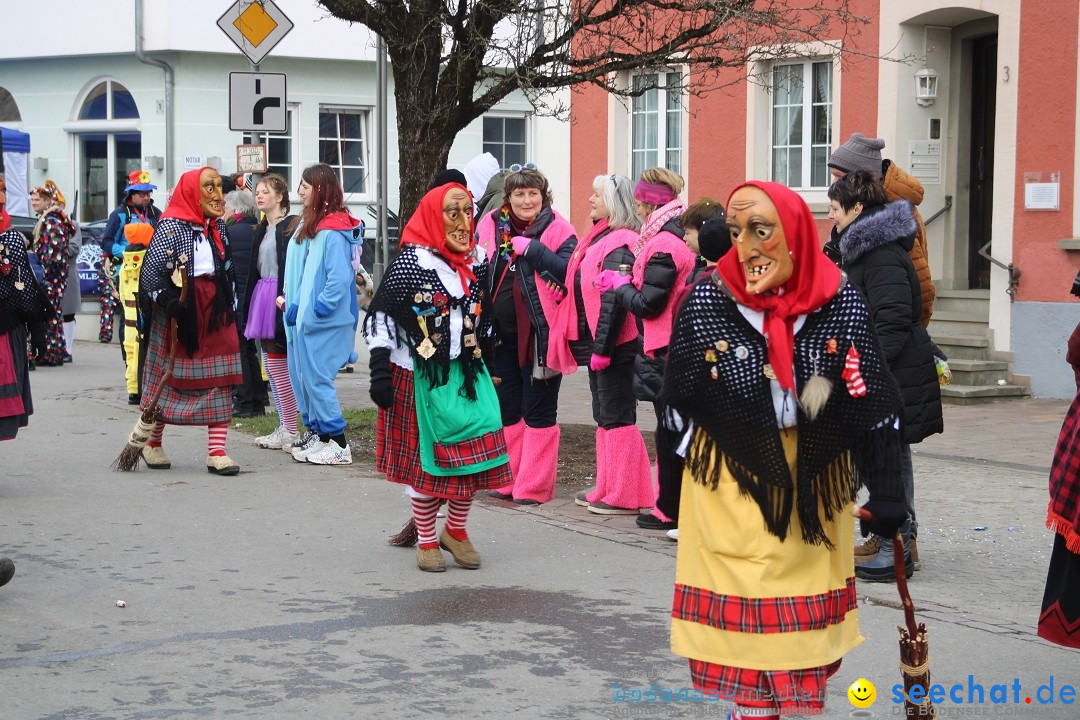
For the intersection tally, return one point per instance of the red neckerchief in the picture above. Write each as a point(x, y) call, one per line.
point(185, 205)
point(813, 282)
point(426, 228)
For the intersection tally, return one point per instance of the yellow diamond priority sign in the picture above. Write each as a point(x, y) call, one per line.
point(256, 26)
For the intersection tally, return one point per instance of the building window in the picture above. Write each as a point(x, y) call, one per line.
point(106, 158)
point(504, 137)
point(656, 120)
point(9, 109)
point(802, 123)
point(280, 149)
point(343, 145)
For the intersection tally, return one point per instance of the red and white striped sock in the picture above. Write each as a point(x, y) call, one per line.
point(216, 444)
point(277, 368)
point(155, 434)
point(424, 510)
point(456, 516)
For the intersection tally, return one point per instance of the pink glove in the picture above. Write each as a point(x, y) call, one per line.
point(520, 244)
point(603, 279)
point(599, 362)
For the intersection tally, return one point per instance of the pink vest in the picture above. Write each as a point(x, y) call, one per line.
point(591, 265)
point(657, 330)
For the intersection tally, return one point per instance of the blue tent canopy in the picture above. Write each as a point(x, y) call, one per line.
point(14, 141)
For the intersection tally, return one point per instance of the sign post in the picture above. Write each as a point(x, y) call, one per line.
point(256, 26)
point(257, 102)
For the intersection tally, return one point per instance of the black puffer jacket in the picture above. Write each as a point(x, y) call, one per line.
point(657, 282)
point(284, 230)
point(874, 253)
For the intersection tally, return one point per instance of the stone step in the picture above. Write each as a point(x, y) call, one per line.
point(976, 302)
point(978, 372)
point(945, 322)
point(955, 394)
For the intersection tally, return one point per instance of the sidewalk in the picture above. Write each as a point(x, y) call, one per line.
point(274, 593)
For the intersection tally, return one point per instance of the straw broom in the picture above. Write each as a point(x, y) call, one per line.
point(129, 457)
point(914, 644)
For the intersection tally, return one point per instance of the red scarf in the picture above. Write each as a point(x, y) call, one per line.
point(426, 228)
point(5, 219)
point(185, 205)
point(814, 279)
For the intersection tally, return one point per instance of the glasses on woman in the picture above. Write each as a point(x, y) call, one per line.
point(518, 167)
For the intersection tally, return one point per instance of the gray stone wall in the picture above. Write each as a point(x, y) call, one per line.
point(1040, 331)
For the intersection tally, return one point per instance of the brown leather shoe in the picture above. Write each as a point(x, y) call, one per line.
point(221, 465)
point(155, 458)
point(914, 554)
point(430, 560)
point(463, 551)
point(868, 548)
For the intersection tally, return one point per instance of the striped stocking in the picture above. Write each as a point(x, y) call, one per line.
point(277, 369)
point(217, 433)
point(156, 433)
point(456, 515)
point(424, 510)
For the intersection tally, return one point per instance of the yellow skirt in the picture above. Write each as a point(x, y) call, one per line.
point(746, 599)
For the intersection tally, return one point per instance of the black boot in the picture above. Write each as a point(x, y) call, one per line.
point(880, 567)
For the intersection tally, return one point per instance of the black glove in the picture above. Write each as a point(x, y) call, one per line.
point(382, 390)
point(889, 515)
point(175, 308)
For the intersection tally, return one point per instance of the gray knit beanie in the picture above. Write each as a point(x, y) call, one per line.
point(859, 153)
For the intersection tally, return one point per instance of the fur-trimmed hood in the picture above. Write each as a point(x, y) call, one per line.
point(893, 222)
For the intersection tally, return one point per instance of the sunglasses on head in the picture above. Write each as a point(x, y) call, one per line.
point(518, 167)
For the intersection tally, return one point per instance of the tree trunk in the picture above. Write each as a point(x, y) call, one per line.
point(422, 151)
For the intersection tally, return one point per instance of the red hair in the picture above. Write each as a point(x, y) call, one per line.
point(326, 198)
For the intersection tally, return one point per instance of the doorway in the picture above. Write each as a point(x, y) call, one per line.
point(983, 111)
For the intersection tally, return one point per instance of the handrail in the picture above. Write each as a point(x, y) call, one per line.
point(932, 218)
point(1014, 272)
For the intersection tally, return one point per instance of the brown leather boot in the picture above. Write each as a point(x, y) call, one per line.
point(869, 547)
point(915, 554)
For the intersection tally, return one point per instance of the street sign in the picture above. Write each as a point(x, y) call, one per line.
point(257, 102)
point(251, 158)
point(256, 26)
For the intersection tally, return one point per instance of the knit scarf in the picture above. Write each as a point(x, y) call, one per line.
point(814, 279)
point(657, 220)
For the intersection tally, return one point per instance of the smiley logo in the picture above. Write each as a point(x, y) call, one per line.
point(862, 693)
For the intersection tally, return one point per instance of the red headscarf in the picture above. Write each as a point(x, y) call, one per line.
point(814, 278)
point(5, 219)
point(185, 205)
point(426, 228)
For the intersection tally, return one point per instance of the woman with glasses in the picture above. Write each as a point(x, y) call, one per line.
point(591, 328)
point(662, 265)
point(321, 312)
point(529, 245)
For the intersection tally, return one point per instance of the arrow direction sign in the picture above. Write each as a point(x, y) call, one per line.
point(257, 102)
point(256, 26)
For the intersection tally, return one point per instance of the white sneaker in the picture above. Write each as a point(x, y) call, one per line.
point(273, 440)
point(673, 534)
point(299, 454)
point(331, 454)
point(287, 440)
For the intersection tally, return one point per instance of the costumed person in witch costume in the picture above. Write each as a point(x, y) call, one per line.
point(774, 360)
point(22, 301)
point(191, 234)
point(1059, 621)
point(439, 429)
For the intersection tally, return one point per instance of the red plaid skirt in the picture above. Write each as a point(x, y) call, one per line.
point(397, 449)
point(792, 691)
point(206, 380)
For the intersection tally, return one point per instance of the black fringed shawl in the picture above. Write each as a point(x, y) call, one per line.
point(407, 290)
point(175, 239)
point(851, 439)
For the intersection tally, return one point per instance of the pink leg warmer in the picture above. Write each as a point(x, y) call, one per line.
point(539, 464)
point(514, 435)
point(602, 473)
point(627, 466)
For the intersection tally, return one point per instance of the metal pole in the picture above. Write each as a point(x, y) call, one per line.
point(382, 247)
point(256, 138)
